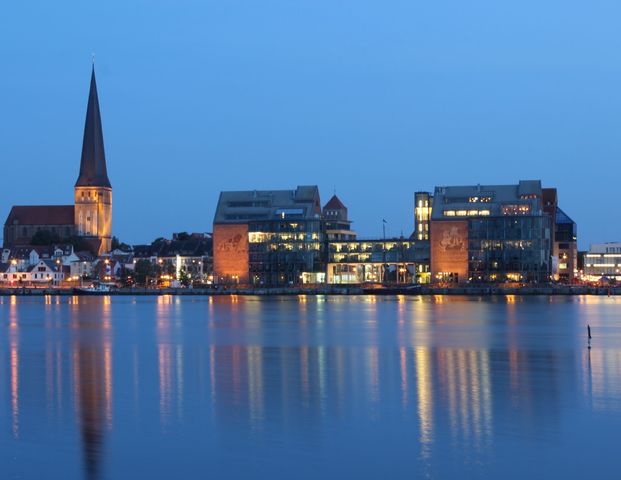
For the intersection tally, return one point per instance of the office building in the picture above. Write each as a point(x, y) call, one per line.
point(603, 260)
point(490, 233)
point(269, 238)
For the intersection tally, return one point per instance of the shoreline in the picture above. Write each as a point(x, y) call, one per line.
point(331, 290)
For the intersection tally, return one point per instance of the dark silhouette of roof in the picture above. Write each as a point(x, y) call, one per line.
point(335, 204)
point(41, 215)
point(93, 172)
point(170, 248)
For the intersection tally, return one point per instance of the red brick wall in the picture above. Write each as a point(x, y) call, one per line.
point(449, 248)
point(230, 253)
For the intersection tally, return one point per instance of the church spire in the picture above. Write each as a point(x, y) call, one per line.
point(93, 172)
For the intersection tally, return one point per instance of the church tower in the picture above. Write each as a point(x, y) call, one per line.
point(93, 192)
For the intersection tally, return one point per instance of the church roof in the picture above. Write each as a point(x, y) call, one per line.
point(335, 204)
point(41, 215)
point(93, 170)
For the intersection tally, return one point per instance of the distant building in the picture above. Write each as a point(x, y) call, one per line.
point(91, 215)
point(393, 260)
point(336, 220)
point(24, 222)
point(423, 205)
point(603, 260)
point(189, 253)
point(491, 233)
point(273, 237)
point(564, 238)
point(45, 272)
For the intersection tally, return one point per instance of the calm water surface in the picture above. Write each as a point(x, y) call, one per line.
point(309, 387)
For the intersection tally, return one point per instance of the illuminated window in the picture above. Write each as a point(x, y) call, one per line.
point(515, 209)
point(477, 199)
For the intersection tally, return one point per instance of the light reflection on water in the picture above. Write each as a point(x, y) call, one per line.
point(306, 385)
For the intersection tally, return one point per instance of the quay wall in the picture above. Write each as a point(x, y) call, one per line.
point(332, 290)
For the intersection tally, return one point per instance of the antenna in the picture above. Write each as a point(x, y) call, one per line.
point(93, 58)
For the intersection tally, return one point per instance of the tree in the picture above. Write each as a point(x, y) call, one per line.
point(79, 244)
point(127, 277)
point(184, 278)
point(142, 270)
point(117, 244)
point(44, 237)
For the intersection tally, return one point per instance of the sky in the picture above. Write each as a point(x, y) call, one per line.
point(372, 99)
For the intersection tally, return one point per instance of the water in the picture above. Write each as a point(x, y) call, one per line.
point(309, 387)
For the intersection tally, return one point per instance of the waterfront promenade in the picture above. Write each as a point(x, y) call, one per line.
point(332, 290)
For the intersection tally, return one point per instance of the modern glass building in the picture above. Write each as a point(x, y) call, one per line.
point(490, 233)
point(512, 248)
point(270, 238)
point(382, 261)
point(286, 250)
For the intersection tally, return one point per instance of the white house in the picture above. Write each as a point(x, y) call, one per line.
point(46, 272)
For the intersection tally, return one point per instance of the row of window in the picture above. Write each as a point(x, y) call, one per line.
point(36, 276)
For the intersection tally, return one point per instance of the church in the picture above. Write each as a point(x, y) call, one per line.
point(90, 217)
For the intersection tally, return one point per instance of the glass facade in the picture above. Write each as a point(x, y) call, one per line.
point(387, 261)
point(423, 204)
point(286, 251)
point(515, 248)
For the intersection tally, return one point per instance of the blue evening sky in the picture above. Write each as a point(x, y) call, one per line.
point(377, 99)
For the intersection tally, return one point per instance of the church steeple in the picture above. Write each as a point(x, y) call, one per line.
point(93, 172)
point(93, 192)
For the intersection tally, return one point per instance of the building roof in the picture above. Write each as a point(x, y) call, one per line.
point(51, 264)
point(85, 256)
point(171, 248)
point(93, 170)
point(255, 205)
point(467, 198)
point(41, 215)
point(562, 217)
point(335, 204)
point(21, 253)
point(48, 250)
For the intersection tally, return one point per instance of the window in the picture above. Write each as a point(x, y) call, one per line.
point(483, 199)
point(516, 209)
